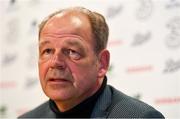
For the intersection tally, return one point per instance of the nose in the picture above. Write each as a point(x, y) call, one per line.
point(58, 61)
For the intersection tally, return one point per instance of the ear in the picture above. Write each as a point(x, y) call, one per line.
point(104, 59)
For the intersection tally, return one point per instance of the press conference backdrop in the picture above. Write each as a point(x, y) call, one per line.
point(144, 43)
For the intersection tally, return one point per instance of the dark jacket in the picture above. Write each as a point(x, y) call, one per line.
point(110, 104)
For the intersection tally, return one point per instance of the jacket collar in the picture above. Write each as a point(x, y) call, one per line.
point(102, 104)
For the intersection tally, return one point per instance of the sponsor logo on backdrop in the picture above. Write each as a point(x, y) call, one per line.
point(33, 28)
point(114, 11)
point(30, 82)
point(173, 38)
point(8, 59)
point(140, 68)
point(144, 10)
point(8, 84)
point(172, 66)
point(12, 7)
point(12, 31)
point(11, 2)
point(141, 38)
point(3, 111)
point(168, 100)
point(173, 4)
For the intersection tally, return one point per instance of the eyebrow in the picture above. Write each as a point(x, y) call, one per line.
point(75, 43)
point(71, 43)
point(43, 43)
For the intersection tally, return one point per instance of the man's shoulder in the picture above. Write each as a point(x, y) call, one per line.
point(41, 111)
point(125, 106)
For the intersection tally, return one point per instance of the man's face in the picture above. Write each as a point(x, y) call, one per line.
point(68, 65)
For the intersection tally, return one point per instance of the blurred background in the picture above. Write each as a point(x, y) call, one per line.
point(144, 43)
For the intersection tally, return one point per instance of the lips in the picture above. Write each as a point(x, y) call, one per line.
point(57, 80)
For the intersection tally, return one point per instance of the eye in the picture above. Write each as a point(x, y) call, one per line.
point(47, 51)
point(74, 54)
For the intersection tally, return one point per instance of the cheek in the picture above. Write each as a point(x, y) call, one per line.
point(84, 73)
point(43, 68)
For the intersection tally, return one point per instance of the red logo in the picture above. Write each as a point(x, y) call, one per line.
point(170, 100)
point(143, 68)
point(7, 84)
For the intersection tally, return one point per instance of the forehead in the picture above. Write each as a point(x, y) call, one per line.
point(64, 23)
point(69, 40)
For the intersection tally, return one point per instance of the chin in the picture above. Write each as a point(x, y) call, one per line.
point(59, 95)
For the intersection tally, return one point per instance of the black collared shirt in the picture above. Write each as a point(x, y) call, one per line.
point(82, 110)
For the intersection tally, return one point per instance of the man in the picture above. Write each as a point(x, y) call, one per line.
point(73, 61)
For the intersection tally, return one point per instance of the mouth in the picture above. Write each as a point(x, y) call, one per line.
point(57, 80)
